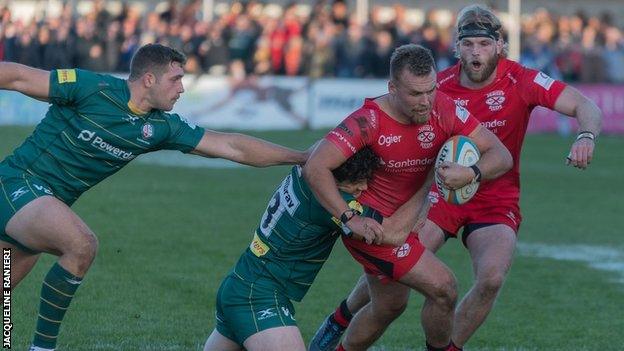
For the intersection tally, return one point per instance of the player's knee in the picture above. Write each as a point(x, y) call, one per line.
point(444, 291)
point(84, 251)
point(389, 309)
point(490, 284)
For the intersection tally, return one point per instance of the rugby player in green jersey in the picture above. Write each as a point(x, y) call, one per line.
point(294, 238)
point(95, 125)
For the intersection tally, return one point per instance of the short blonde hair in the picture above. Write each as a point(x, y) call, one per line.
point(474, 14)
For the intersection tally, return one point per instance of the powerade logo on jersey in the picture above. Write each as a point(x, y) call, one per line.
point(284, 199)
point(99, 143)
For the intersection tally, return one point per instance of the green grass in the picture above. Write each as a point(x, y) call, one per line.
point(168, 235)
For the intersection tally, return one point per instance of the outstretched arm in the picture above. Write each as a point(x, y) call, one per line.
point(247, 150)
point(24, 79)
point(574, 104)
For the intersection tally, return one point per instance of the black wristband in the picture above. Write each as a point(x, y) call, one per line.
point(586, 135)
point(347, 216)
point(477, 171)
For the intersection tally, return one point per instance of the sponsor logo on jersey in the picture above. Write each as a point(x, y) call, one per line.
point(461, 113)
point(268, 313)
point(434, 197)
point(86, 135)
point(402, 250)
point(147, 131)
point(373, 118)
point(410, 162)
point(66, 76)
point(286, 313)
point(512, 217)
point(342, 126)
point(446, 79)
point(18, 193)
point(130, 118)
point(43, 189)
point(543, 80)
point(99, 143)
point(495, 100)
point(389, 140)
point(493, 124)
point(258, 247)
point(344, 140)
point(426, 136)
point(462, 102)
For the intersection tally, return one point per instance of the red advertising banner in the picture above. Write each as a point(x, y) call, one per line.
point(609, 98)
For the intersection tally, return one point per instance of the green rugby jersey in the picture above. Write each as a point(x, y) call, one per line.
point(294, 239)
point(90, 132)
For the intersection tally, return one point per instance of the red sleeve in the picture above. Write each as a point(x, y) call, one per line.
point(455, 119)
point(538, 89)
point(355, 132)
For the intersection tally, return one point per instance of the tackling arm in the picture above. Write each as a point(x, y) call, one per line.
point(318, 173)
point(409, 217)
point(24, 79)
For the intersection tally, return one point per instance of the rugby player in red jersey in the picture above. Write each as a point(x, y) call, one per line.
point(405, 128)
point(500, 93)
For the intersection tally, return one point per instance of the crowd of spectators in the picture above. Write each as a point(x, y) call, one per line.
point(325, 41)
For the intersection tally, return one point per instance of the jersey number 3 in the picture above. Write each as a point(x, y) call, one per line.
point(283, 200)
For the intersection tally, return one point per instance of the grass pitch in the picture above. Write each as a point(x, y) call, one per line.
point(169, 234)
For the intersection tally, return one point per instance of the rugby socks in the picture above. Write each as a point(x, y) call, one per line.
point(57, 292)
point(342, 315)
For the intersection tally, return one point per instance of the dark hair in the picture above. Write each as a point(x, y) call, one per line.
point(153, 58)
point(358, 167)
point(416, 58)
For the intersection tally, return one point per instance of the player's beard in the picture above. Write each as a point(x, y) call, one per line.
point(421, 118)
point(483, 74)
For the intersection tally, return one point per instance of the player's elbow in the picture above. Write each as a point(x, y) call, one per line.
point(506, 160)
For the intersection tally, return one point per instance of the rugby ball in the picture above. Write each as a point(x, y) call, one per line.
point(459, 149)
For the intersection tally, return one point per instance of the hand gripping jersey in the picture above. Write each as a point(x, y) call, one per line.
point(408, 151)
point(89, 133)
point(294, 239)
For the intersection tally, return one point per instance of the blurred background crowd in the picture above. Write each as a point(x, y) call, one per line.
point(321, 40)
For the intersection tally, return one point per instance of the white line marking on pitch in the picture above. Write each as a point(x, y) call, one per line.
point(597, 257)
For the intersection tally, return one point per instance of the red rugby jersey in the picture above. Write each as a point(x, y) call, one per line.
point(504, 107)
point(408, 151)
